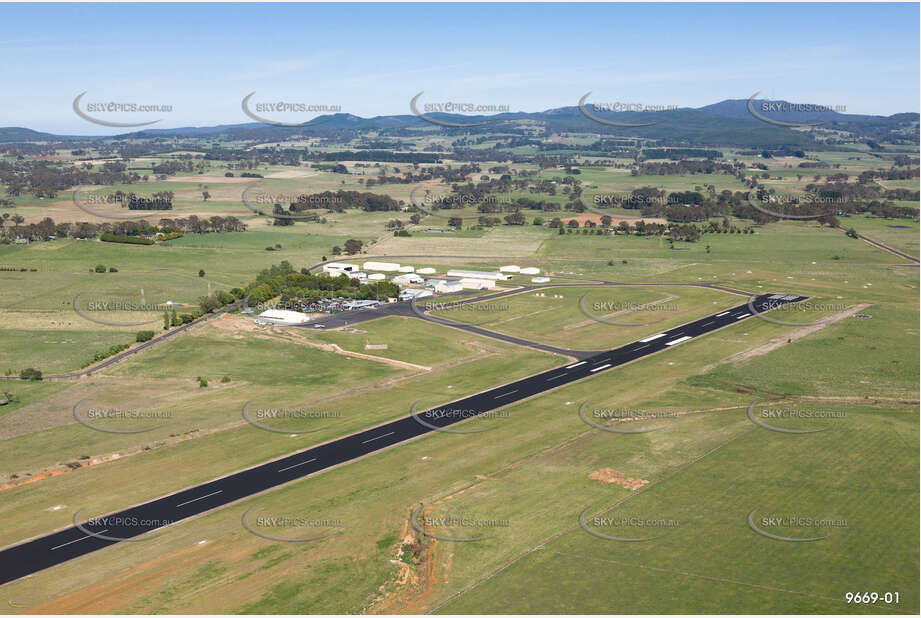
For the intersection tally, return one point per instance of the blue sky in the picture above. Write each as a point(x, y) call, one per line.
point(372, 58)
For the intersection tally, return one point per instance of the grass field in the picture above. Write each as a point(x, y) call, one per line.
point(592, 318)
point(704, 466)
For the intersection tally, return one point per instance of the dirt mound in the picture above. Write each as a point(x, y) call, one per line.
point(609, 476)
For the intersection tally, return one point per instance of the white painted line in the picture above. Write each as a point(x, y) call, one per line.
point(560, 375)
point(379, 437)
point(504, 394)
point(641, 347)
point(708, 323)
point(213, 493)
point(599, 368)
point(602, 360)
point(648, 339)
point(719, 315)
point(679, 340)
point(576, 365)
point(298, 464)
point(75, 540)
point(744, 315)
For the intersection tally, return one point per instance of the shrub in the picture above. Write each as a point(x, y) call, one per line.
point(144, 335)
point(225, 379)
point(202, 382)
point(112, 269)
point(100, 268)
point(30, 374)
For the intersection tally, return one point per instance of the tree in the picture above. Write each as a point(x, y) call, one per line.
point(280, 218)
point(100, 268)
point(353, 246)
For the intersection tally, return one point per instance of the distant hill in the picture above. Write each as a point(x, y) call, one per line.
point(21, 134)
point(726, 123)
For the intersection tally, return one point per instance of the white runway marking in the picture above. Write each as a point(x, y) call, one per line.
point(679, 340)
point(599, 368)
point(708, 323)
point(576, 365)
point(213, 493)
point(719, 315)
point(298, 464)
point(744, 315)
point(648, 339)
point(504, 394)
point(379, 437)
point(75, 540)
point(556, 376)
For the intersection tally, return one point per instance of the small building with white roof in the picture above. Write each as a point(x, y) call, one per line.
point(387, 267)
point(339, 268)
point(281, 317)
point(479, 274)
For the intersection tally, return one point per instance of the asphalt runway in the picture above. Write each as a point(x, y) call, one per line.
point(40, 553)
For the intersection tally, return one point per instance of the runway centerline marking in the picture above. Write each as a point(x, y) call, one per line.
point(708, 323)
point(213, 493)
point(505, 394)
point(298, 464)
point(560, 375)
point(82, 538)
point(602, 360)
point(379, 437)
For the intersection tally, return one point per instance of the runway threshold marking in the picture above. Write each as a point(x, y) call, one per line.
point(379, 437)
point(719, 315)
point(576, 365)
point(744, 315)
point(648, 339)
point(599, 368)
point(213, 493)
point(298, 464)
point(679, 340)
point(89, 536)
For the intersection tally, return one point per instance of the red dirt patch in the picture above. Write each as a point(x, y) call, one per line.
point(610, 476)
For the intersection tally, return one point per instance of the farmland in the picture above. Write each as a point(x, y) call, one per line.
point(808, 410)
